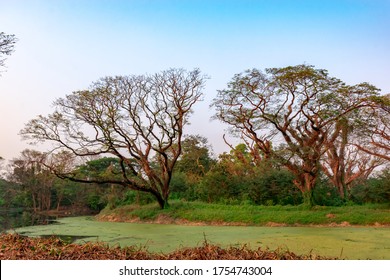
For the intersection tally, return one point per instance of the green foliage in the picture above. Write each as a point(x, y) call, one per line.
point(185, 186)
point(95, 202)
point(191, 167)
point(102, 168)
point(3, 184)
point(124, 196)
point(195, 157)
point(259, 214)
point(13, 195)
point(326, 195)
point(274, 186)
point(373, 190)
point(239, 177)
point(236, 178)
point(216, 186)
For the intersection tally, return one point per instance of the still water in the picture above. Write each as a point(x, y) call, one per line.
point(17, 217)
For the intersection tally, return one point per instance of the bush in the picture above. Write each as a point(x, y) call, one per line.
point(96, 202)
point(373, 190)
point(129, 197)
point(215, 186)
point(263, 186)
point(274, 187)
point(324, 194)
point(183, 186)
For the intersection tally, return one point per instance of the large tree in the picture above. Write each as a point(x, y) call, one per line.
point(344, 163)
point(374, 135)
point(137, 119)
point(7, 44)
point(294, 109)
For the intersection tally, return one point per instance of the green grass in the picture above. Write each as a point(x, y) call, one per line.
point(258, 215)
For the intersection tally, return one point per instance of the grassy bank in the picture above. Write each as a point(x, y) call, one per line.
point(198, 212)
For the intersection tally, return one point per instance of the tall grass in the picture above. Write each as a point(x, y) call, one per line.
point(257, 215)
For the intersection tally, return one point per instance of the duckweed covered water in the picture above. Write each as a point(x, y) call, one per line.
point(342, 242)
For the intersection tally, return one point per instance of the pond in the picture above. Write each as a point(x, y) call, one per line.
point(341, 242)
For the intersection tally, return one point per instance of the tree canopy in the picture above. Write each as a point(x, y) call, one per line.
point(298, 109)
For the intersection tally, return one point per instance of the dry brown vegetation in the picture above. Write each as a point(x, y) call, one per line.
point(17, 247)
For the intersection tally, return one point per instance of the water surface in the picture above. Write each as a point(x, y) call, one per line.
point(344, 242)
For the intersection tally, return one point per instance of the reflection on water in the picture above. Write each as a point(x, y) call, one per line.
point(14, 218)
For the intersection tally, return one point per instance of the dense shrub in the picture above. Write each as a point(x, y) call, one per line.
point(274, 187)
point(325, 194)
point(373, 190)
point(128, 197)
point(184, 186)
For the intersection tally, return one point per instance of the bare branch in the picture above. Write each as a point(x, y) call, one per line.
point(134, 118)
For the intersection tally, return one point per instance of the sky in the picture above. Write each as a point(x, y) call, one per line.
point(65, 45)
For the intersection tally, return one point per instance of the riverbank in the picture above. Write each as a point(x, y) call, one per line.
point(198, 213)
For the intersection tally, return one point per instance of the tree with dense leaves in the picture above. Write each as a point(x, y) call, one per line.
point(137, 119)
point(294, 109)
point(194, 162)
point(196, 157)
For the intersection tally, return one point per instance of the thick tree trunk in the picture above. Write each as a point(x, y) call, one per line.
point(308, 199)
point(161, 199)
point(163, 203)
point(306, 183)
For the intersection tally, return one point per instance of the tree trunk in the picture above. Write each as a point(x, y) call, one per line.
point(162, 200)
point(163, 203)
point(59, 200)
point(34, 201)
point(306, 183)
point(308, 200)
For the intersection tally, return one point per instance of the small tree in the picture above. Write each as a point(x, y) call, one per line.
point(196, 157)
point(194, 162)
point(138, 119)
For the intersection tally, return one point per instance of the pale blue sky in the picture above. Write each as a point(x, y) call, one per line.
point(65, 45)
